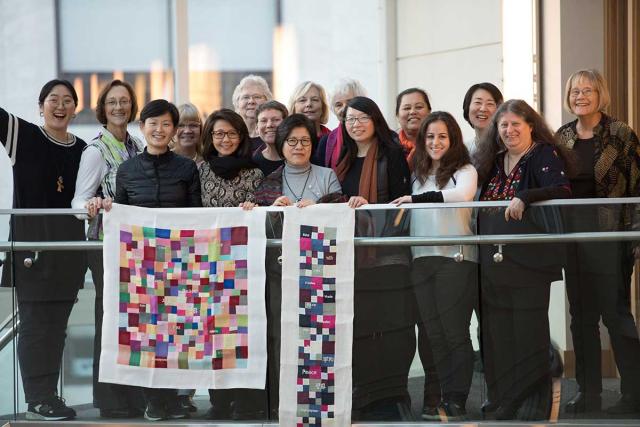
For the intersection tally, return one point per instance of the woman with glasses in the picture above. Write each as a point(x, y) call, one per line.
point(329, 146)
point(228, 175)
point(598, 275)
point(229, 178)
point(412, 106)
point(310, 99)
point(188, 139)
point(296, 183)
point(45, 162)
point(372, 169)
point(117, 107)
point(247, 96)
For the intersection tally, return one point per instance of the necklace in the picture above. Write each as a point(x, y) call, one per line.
point(284, 175)
point(59, 167)
point(507, 159)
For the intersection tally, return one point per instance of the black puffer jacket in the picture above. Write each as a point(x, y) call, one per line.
point(158, 181)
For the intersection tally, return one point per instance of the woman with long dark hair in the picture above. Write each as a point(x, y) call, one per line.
point(445, 287)
point(478, 107)
point(372, 169)
point(518, 160)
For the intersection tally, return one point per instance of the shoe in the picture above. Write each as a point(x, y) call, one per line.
point(430, 413)
point(50, 409)
point(506, 412)
point(186, 402)
point(453, 412)
point(155, 412)
point(488, 407)
point(175, 411)
point(120, 413)
point(583, 402)
point(628, 404)
point(214, 413)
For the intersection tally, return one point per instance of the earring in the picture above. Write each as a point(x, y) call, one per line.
point(41, 114)
point(73, 116)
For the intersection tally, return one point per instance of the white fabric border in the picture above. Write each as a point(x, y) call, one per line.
point(322, 215)
point(254, 376)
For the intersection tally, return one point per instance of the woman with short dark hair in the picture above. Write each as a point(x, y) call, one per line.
point(159, 178)
point(45, 162)
point(117, 107)
point(372, 169)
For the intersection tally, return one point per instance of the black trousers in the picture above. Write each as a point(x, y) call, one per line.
point(446, 294)
point(515, 331)
point(42, 332)
point(384, 339)
point(598, 281)
point(107, 395)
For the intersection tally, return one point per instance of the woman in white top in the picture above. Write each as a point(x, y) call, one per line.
point(446, 290)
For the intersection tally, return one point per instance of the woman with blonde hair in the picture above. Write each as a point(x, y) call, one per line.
point(598, 275)
point(188, 139)
point(310, 99)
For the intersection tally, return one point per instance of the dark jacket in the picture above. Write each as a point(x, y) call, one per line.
point(543, 178)
point(163, 181)
point(616, 169)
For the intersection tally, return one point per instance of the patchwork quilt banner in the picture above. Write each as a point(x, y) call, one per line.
point(317, 313)
point(184, 299)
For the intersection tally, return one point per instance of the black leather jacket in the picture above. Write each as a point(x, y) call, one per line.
point(158, 181)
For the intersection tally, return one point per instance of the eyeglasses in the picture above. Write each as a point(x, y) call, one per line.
point(292, 142)
point(362, 119)
point(255, 98)
point(574, 93)
point(55, 102)
point(113, 103)
point(219, 135)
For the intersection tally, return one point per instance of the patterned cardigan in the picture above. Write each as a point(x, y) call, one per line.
point(616, 170)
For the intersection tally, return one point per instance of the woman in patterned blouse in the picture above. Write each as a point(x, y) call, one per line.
point(228, 176)
point(518, 160)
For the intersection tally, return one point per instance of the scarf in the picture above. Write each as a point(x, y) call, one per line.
point(408, 147)
point(229, 167)
point(334, 147)
point(368, 186)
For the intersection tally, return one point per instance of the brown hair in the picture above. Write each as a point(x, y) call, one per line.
point(102, 97)
point(491, 144)
point(456, 156)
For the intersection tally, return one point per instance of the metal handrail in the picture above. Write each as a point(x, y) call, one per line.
point(494, 239)
point(6, 337)
point(380, 206)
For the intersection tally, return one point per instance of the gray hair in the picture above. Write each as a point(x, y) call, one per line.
point(348, 85)
point(250, 80)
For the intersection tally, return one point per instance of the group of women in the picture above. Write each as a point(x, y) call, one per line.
point(264, 153)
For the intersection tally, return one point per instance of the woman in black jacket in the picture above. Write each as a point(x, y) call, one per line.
point(372, 169)
point(159, 178)
point(520, 161)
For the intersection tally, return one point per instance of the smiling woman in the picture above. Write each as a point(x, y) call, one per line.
point(45, 162)
point(117, 106)
point(479, 104)
point(310, 99)
point(598, 276)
